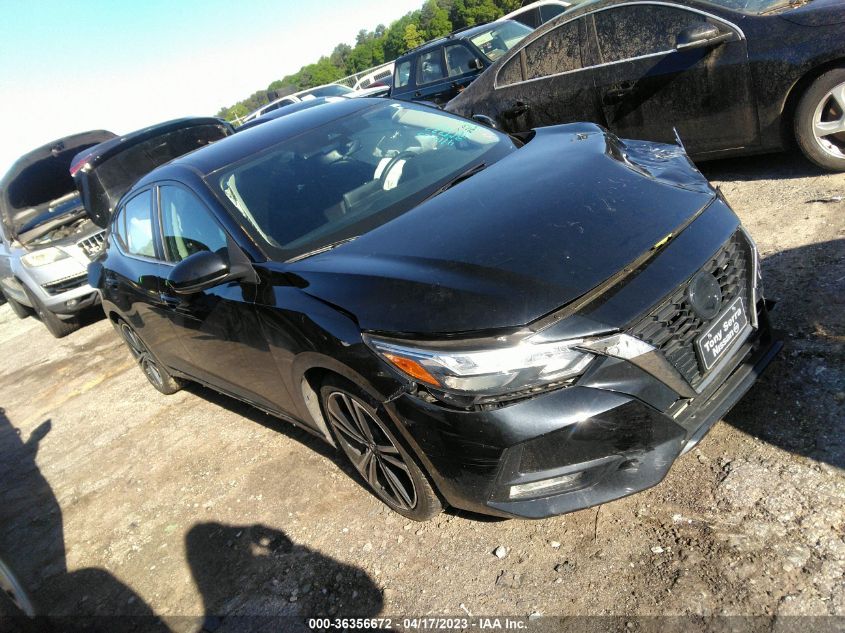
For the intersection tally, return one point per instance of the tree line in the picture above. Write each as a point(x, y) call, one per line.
point(435, 19)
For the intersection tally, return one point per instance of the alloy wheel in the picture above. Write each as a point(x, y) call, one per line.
point(829, 122)
point(142, 356)
point(372, 451)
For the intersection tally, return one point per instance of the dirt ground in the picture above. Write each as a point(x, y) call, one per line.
point(117, 500)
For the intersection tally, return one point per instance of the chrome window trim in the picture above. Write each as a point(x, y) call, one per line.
point(519, 50)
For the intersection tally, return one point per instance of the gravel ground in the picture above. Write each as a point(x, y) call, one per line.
point(116, 500)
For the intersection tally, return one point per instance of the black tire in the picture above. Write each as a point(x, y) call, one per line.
point(375, 452)
point(818, 103)
point(15, 604)
point(20, 310)
point(59, 328)
point(156, 373)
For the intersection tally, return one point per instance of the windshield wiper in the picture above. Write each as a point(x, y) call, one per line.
point(469, 173)
point(789, 4)
point(321, 249)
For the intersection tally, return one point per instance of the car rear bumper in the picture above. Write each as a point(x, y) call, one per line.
point(575, 447)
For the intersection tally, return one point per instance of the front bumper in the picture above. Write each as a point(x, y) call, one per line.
point(616, 432)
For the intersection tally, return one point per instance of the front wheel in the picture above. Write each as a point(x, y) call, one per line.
point(20, 310)
point(820, 121)
point(363, 433)
point(158, 376)
point(59, 328)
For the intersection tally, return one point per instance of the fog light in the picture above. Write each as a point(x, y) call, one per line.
point(551, 486)
point(71, 303)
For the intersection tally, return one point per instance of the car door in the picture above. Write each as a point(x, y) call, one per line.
point(218, 327)
point(543, 83)
point(652, 75)
point(132, 277)
point(431, 80)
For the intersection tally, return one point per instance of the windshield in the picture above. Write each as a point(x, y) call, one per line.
point(500, 38)
point(344, 178)
point(755, 6)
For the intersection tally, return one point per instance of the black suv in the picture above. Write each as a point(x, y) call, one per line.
point(438, 70)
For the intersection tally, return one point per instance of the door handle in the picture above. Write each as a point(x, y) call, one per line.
point(170, 301)
point(617, 95)
point(518, 109)
point(418, 94)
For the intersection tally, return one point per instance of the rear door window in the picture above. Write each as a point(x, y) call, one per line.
point(403, 74)
point(430, 67)
point(511, 72)
point(135, 226)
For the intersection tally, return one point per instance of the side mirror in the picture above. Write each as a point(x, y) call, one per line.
point(485, 120)
point(476, 64)
point(701, 36)
point(198, 272)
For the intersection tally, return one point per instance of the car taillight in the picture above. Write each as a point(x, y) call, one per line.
point(79, 165)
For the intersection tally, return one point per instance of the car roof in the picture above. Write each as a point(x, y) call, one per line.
point(232, 149)
point(460, 34)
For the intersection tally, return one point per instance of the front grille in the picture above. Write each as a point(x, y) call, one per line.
point(63, 285)
point(92, 244)
point(672, 327)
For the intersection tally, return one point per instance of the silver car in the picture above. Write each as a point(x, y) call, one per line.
point(46, 238)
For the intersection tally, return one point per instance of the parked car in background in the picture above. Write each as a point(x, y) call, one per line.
point(438, 70)
point(378, 76)
point(46, 239)
point(105, 172)
point(330, 90)
point(537, 13)
point(407, 285)
point(289, 109)
point(730, 80)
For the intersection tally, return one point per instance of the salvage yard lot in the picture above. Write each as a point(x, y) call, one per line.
point(116, 499)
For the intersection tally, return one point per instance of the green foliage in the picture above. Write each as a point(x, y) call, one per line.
point(412, 37)
point(434, 19)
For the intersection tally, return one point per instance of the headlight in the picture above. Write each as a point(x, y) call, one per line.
point(43, 257)
point(494, 369)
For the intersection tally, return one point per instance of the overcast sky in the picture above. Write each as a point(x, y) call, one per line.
point(120, 65)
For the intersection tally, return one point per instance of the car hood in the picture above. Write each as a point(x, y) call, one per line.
point(519, 240)
point(40, 181)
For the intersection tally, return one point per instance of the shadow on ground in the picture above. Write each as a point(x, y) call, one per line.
point(799, 404)
point(249, 576)
point(779, 166)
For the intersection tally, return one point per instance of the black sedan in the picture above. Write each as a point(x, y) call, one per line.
point(733, 76)
point(517, 327)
